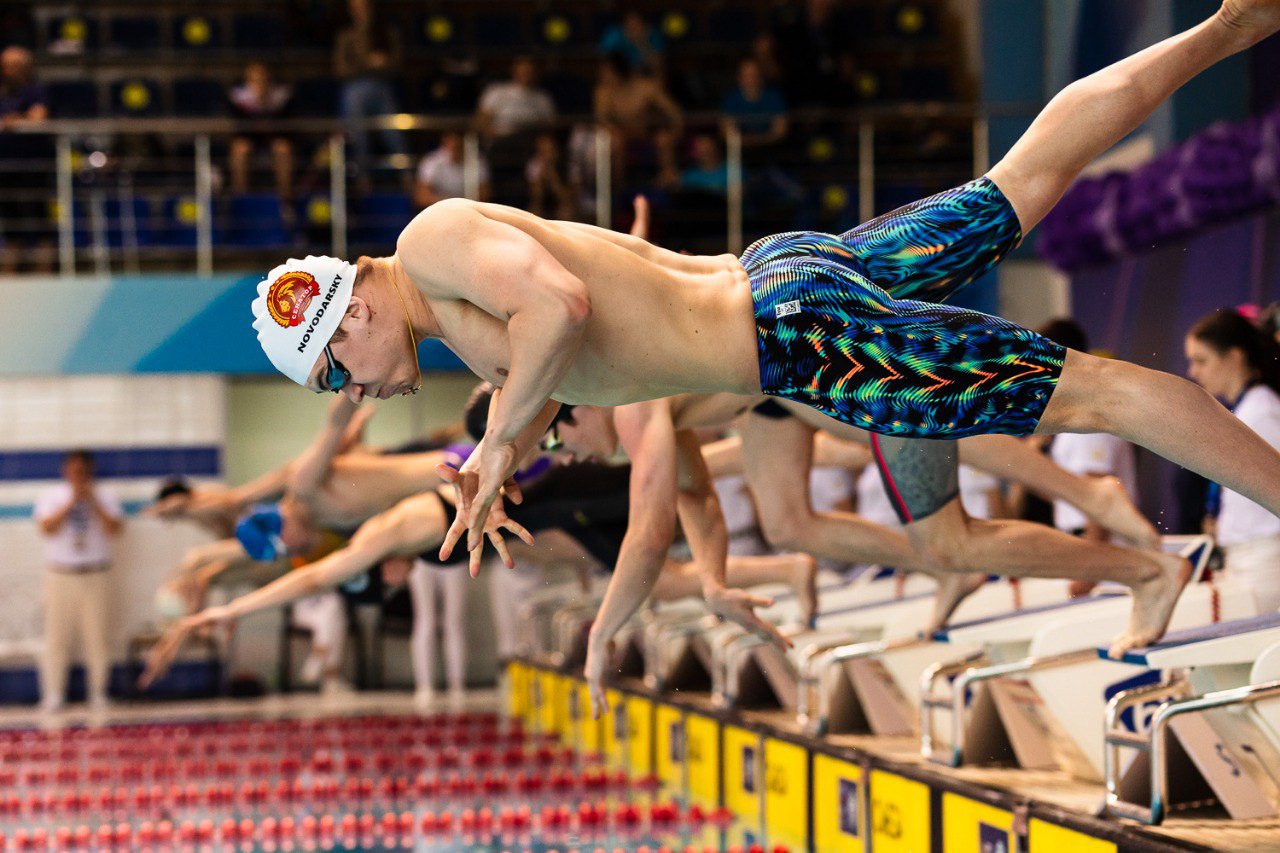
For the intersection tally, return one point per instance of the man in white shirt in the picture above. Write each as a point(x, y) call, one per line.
point(79, 520)
point(442, 174)
point(517, 105)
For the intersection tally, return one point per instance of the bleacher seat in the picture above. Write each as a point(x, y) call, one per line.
point(136, 97)
point(572, 93)
point(196, 32)
point(560, 29)
point(73, 99)
point(72, 33)
point(730, 25)
point(177, 224)
point(252, 32)
point(133, 33)
point(128, 220)
point(915, 20)
point(379, 218)
point(437, 30)
point(500, 29)
point(255, 220)
point(199, 97)
point(315, 97)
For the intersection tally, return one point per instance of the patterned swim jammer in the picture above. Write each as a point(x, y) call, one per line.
point(852, 325)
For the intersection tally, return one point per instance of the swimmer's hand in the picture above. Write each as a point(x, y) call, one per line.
point(597, 659)
point(495, 522)
point(738, 606)
point(161, 656)
point(477, 487)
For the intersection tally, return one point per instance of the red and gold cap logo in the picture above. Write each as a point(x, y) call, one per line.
point(289, 296)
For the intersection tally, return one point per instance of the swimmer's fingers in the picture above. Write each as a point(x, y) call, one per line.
point(519, 530)
point(474, 562)
point(640, 226)
point(451, 537)
point(447, 473)
point(511, 491)
point(500, 545)
point(161, 656)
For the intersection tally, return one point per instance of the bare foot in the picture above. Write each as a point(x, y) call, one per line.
point(804, 583)
point(953, 588)
point(1113, 509)
point(1253, 19)
point(1153, 603)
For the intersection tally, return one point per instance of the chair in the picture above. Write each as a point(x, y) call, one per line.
point(355, 642)
point(177, 224)
point(315, 97)
point(71, 34)
point(199, 97)
point(500, 29)
point(133, 33)
point(256, 220)
point(196, 32)
point(135, 97)
point(252, 32)
point(379, 218)
point(73, 99)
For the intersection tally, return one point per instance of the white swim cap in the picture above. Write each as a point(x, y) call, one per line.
point(299, 306)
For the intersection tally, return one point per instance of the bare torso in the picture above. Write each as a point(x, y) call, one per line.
point(661, 323)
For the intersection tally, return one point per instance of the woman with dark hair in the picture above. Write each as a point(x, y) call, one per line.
point(1240, 365)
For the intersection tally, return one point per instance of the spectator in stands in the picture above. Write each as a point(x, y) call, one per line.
point(551, 195)
point(366, 56)
point(442, 173)
point(638, 43)
point(78, 519)
point(518, 105)
point(814, 46)
point(1240, 365)
point(24, 220)
point(642, 118)
point(260, 99)
point(708, 174)
point(764, 50)
point(756, 108)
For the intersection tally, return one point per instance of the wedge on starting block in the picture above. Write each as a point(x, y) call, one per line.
point(1198, 740)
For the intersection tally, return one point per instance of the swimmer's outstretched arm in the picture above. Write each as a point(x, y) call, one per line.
point(648, 435)
point(453, 251)
point(309, 471)
point(410, 527)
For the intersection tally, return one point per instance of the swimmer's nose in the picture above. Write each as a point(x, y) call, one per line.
point(355, 393)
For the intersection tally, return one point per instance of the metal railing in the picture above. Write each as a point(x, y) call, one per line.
point(74, 198)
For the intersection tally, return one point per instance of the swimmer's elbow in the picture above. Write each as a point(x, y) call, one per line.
point(573, 302)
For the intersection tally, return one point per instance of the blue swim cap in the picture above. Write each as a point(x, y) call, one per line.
point(259, 532)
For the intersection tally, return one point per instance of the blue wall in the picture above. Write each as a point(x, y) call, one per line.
point(175, 323)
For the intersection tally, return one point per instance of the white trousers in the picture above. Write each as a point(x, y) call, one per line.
point(429, 587)
point(1256, 564)
point(508, 589)
point(75, 603)
point(324, 616)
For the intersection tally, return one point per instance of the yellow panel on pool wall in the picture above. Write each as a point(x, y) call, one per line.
point(668, 749)
point(839, 822)
point(640, 735)
point(899, 814)
point(614, 730)
point(514, 683)
point(590, 728)
point(1045, 837)
point(702, 751)
point(969, 826)
point(786, 795)
point(743, 763)
point(550, 720)
point(571, 711)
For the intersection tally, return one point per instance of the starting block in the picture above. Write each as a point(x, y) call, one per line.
point(862, 685)
point(1223, 748)
point(676, 649)
point(538, 617)
point(1034, 691)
